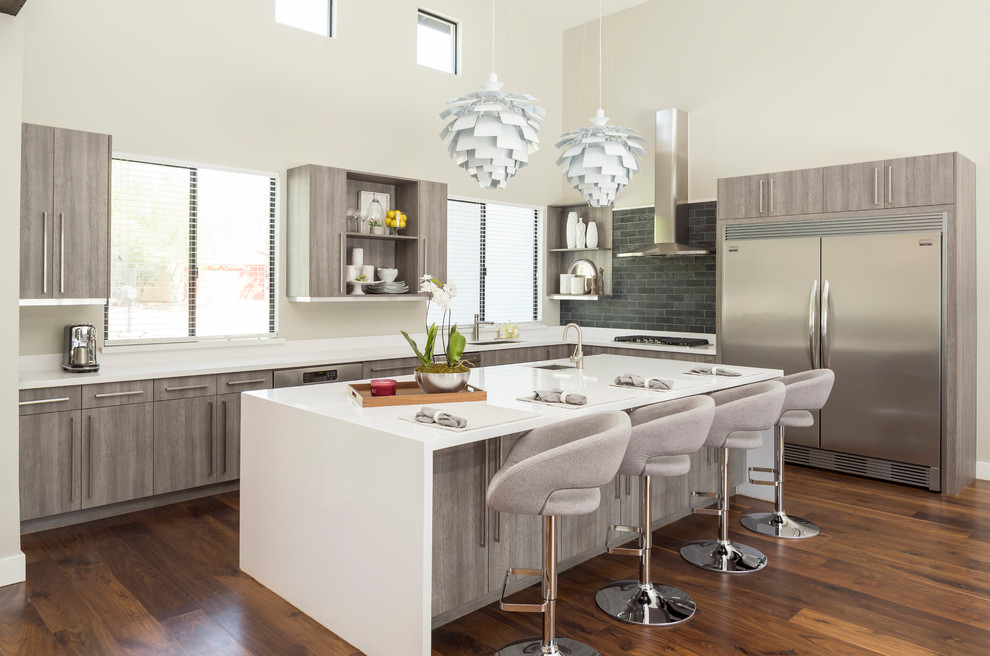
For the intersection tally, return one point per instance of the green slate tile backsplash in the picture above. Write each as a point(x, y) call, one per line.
point(655, 293)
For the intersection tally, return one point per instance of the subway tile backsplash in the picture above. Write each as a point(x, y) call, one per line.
point(655, 293)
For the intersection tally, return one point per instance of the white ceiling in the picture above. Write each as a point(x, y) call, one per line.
point(565, 14)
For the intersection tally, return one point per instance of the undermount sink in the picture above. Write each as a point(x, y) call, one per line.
point(493, 342)
point(554, 367)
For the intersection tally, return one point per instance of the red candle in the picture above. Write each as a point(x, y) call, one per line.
point(383, 387)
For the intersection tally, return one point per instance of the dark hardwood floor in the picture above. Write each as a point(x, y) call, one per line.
point(897, 571)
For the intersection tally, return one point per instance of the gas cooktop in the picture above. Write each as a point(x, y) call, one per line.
point(665, 341)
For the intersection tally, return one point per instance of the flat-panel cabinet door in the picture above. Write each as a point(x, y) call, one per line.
point(917, 181)
point(433, 233)
point(460, 528)
point(228, 449)
point(881, 336)
point(743, 197)
point(118, 454)
point(185, 443)
point(854, 187)
point(82, 197)
point(49, 464)
point(795, 192)
point(770, 308)
point(37, 210)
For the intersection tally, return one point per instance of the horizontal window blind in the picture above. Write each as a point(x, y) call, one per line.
point(463, 261)
point(192, 253)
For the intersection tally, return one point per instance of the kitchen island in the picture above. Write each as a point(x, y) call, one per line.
point(338, 502)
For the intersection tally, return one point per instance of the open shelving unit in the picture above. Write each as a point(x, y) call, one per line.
point(559, 257)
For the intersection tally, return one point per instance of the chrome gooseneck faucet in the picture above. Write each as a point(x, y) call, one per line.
point(476, 328)
point(578, 357)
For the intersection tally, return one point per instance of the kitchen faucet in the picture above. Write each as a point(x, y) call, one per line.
point(475, 332)
point(578, 357)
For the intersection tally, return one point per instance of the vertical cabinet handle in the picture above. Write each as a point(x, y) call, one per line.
point(761, 196)
point(813, 325)
point(876, 185)
point(426, 257)
point(223, 413)
point(771, 195)
point(61, 256)
point(44, 253)
point(618, 486)
point(213, 436)
point(628, 485)
point(72, 447)
point(825, 321)
point(498, 515)
point(89, 457)
point(343, 264)
point(890, 185)
point(484, 493)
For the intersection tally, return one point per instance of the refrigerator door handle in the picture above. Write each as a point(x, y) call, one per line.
point(825, 323)
point(812, 325)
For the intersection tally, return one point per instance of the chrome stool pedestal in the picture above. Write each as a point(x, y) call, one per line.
point(722, 555)
point(547, 644)
point(778, 524)
point(642, 601)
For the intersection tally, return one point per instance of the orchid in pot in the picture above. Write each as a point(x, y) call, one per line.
point(450, 374)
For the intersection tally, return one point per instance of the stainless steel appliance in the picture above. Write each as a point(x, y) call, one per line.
point(79, 348)
point(862, 297)
point(327, 373)
point(663, 340)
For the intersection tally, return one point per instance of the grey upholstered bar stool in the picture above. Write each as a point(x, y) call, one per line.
point(663, 437)
point(805, 392)
point(552, 471)
point(740, 414)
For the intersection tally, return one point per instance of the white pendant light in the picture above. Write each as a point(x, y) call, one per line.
point(491, 133)
point(600, 160)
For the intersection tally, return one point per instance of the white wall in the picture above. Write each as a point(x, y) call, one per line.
point(777, 85)
point(11, 50)
point(220, 82)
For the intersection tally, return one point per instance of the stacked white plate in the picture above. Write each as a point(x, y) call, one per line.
point(382, 287)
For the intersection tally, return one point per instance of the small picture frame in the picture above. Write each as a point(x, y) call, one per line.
point(365, 198)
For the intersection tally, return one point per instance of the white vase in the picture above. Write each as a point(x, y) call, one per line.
point(592, 236)
point(571, 236)
point(357, 257)
point(579, 236)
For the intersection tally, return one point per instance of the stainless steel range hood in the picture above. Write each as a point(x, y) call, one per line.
point(671, 189)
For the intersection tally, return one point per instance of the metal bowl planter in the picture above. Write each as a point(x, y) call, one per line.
point(442, 383)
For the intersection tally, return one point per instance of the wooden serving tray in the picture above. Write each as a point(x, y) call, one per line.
point(408, 393)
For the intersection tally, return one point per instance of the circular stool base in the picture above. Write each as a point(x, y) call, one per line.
point(730, 558)
point(654, 605)
point(534, 647)
point(780, 526)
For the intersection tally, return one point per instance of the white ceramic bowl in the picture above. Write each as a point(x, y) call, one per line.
point(388, 275)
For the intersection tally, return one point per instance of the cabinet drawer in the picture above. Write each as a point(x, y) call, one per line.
point(123, 393)
point(185, 387)
point(244, 381)
point(388, 368)
point(48, 399)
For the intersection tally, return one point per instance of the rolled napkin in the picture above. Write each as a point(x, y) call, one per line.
point(632, 380)
point(714, 371)
point(434, 416)
point(558, 396)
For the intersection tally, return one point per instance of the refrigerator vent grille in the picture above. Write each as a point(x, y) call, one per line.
point(897, 472)
point(837, 227)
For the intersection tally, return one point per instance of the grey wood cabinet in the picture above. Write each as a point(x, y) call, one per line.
point(117, 459)
point(389, 368)
point(771, 194)
point(645, 353)
point(65, 206)
point(50, 448)
point(525, 354)
point(185, 443)
point(918, 181)
point(559, 257)
point(228, 443)
point(745, 196)
point(854, 187)
point(319, 246)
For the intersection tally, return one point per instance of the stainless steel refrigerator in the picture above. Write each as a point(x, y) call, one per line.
point(868, 306)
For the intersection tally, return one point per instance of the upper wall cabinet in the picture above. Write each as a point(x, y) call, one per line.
point(905, 182)
point(771, 194)
point(320, 244)
point(65, 208)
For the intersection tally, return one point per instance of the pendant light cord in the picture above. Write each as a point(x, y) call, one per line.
point(599, 55)
point(493, 36)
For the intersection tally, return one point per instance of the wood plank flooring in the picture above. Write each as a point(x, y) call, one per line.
point(896, 572)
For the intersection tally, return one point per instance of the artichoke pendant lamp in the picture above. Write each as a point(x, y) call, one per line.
point(600, 160)
point(491, 133)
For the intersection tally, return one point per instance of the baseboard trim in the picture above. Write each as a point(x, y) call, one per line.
point(983, 470)
point(12, 569)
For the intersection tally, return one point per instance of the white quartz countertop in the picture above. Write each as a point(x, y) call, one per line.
point(115, 366)
point(505, 384)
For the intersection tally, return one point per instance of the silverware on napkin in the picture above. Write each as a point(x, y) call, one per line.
point(558, 396)
point(714, 371)
point(632, 380)
point(434, 416)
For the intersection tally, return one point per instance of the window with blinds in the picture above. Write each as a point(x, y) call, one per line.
point(494, 258)
point(192, 253)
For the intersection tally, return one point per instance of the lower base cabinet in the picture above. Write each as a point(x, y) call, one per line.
point(228, 449)
point(185, 443)
point(118, 456)
point(50, 475)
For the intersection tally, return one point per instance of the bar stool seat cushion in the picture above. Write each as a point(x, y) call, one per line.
point(752, 407)
point(744, 440)
point(796, 419)
point(667, 466)
point(557, 469)
point(807, 390)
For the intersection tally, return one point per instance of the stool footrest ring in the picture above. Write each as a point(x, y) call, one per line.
point(706, 511)
point(622, 528)
point(520, 608)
